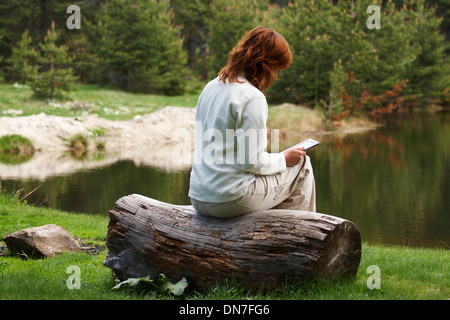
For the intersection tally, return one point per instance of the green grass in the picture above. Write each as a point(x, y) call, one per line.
point(89, 99)
point(15, 149)
point(406, 273)
point(14, 143)
point(15, 215)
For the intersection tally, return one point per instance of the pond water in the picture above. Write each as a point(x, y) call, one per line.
point(393, 182)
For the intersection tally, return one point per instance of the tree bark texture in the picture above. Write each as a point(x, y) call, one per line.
point(259, 250)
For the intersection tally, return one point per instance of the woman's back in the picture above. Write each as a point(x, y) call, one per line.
point(231, 139)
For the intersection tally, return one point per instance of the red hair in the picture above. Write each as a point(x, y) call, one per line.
point(258, 57)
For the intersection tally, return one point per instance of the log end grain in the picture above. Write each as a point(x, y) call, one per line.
point(342, 252)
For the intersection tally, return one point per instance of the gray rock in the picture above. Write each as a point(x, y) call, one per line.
point(44, 241)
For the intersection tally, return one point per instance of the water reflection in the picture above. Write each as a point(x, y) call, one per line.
point(393, 182)
point(95, 191)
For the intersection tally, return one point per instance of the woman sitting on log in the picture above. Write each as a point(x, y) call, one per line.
point(232, 173)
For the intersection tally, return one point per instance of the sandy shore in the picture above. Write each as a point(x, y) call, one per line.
point(135, 140)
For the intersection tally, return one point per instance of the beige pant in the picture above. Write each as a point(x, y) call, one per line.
point(292, 189)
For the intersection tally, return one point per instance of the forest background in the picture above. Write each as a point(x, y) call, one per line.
point(172, 47)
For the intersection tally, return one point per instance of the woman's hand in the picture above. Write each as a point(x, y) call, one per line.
point(293, 156)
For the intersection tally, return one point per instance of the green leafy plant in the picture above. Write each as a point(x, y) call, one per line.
point(161, 284)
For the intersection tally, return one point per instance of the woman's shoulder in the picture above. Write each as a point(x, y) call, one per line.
point(239, 91)
point(244, 90)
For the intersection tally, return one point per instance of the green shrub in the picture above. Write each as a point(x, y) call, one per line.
point(78, 145)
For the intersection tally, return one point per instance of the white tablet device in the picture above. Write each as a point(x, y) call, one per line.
point(307, 144)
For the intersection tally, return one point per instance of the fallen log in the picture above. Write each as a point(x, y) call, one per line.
point(259, 250)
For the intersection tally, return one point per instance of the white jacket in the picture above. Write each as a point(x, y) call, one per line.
point(231, 142)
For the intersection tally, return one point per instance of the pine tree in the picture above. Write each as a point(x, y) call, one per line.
point(404, 60)
point(16, 18)
point(192, 16)
point(315, 37)
point(23, 60)
point(138, 47)
point(227, 24)
point(334, 109)
point(56, 77)
point(429, 74)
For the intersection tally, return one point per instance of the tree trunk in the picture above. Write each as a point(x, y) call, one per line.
point(259, 250)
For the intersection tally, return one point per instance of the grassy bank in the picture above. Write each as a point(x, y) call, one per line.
point(88, 99)
point(405, 273)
